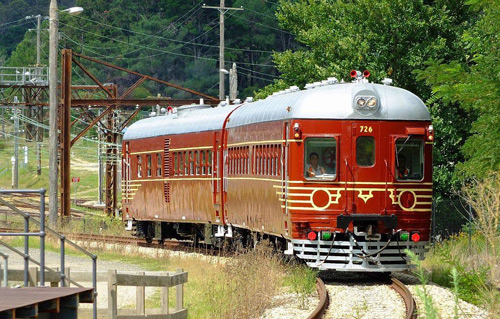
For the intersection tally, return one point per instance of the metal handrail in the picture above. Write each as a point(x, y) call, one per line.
point(5, 268)
point(42, 233)
point(24, 75)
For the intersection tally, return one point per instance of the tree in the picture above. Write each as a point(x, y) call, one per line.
point(474, 85)
point(391, 38)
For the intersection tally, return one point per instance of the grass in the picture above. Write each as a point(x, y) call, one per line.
point(240, 287)
point(472, 268)
point(83, 154)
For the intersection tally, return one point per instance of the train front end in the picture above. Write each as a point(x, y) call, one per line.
point(359, 192)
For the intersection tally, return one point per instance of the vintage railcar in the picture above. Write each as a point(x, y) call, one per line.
point(338, 174)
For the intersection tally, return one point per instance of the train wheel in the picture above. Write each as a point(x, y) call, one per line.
point(161, 241)
point(149, 240)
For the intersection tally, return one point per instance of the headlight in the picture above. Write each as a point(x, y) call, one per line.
point(372, 102)
point(361, 102)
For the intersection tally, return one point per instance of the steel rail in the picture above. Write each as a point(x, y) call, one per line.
point(410, 304)
point(323, 300)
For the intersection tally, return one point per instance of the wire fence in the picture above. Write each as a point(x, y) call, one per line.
point(449, 217)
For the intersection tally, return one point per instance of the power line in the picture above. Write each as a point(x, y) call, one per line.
point(255, 77)
point(261, 73)
point(264, 25)
point(11, 22)
point(160, 50)
point(174, 40)
point(13, 26)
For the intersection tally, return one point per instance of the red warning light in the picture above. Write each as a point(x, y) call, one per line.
point(312, 235)
point(354, 73)
point(415, 237)
point(366, 73)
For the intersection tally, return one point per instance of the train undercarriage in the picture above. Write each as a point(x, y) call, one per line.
point(347, 251)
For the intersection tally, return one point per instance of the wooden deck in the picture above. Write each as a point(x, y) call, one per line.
point(43, 302)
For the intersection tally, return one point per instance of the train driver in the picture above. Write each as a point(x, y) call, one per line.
point(313, 169)
point(403, 171)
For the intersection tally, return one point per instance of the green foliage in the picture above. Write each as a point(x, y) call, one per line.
point(430, 310)
point(473, 84)
point(173, 40)
point(302, 280)
point(452, 254)
point(389, 38)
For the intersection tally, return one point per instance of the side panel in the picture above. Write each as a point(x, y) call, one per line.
point(254, 177)
point(183, 191)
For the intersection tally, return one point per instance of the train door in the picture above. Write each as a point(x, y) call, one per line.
point(126, 173)
point(216, 182)
point(366, 164)
point(284, 168)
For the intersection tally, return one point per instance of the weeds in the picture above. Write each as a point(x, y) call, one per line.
point(472, 268)
point(429, 308)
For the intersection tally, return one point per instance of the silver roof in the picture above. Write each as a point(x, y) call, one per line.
point(185, 121)
point(335, 101)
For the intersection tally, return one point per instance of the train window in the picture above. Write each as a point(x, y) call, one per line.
point(139, 166)
point(182, 163)
point(209, 163)
point(409, 161)
point(148, 164)
point(320, 158)
point(176, 164)
point(158, 164)
point(203, 163)
point(365, 151)
point(191, 163)
point(197, 159)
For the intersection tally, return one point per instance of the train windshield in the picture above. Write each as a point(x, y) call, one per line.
point(320, 158)
point(409, 159)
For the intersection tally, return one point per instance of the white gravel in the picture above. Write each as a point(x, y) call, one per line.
point(291, 305)
point(443, 299)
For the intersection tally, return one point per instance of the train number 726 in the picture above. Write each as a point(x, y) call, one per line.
point(365, 129)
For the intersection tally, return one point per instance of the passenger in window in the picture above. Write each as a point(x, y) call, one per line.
point(313, 169)
point(403, 171)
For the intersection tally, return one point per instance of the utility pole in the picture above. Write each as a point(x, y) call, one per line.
point(15, 160)
point(222, 10)
point(99, 158)
point(233, 83)
point(39, 73)
point(38, 42)
point(53, 107)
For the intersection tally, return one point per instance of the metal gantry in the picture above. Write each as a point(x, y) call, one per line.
point(86, 98)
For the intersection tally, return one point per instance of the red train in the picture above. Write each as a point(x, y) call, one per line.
point(338, 174)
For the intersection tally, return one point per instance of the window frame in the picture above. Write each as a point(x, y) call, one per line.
point(149, 163)
point(422, 154)
point(374, 151)
point(139, 166)
point(159, 167)
point(305, 157)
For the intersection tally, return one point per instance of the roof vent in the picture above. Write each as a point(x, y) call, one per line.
point(332, 80)
point(237, 101)
point(309, 86)
point(249, 99)
point(294, 88)
point(387, 81)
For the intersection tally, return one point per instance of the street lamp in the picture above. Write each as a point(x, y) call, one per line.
point(53, 107)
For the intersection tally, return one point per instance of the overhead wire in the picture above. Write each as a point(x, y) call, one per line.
point(12, 22)
point(160, 50)
point(175, 40)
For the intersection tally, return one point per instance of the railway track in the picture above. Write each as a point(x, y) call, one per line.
point(365, 296)
point(321, 311)
point(411, 307)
